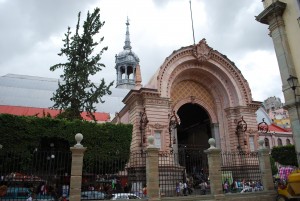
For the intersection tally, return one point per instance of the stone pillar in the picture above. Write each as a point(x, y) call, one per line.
point(265, 167)
point(216, 134)
point(76, 169)
point(126, 75)
point(152, 173)
point(117, 79)
point(215, 174)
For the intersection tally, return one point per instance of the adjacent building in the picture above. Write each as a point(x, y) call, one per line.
point(278, 131)
point(283, 18)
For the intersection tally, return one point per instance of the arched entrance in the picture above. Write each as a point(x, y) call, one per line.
point(194, 129)
point(192, 136)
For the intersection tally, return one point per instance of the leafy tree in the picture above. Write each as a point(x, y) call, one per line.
point(77, 93)
point(273, 166)
point(285, 155)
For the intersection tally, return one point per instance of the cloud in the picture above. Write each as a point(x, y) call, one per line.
point(27, 23)
point(32, 31)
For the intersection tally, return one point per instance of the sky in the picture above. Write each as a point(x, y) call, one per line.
point(31, 36)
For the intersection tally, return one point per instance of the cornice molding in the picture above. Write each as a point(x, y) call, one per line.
point(276, 9)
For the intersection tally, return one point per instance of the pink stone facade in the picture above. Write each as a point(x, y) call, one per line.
point(199, 75)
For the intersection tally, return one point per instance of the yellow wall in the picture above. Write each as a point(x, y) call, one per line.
point(292, 27)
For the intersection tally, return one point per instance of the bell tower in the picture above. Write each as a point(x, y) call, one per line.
point(127, 63)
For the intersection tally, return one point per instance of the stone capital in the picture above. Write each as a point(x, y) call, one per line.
point(276, 9)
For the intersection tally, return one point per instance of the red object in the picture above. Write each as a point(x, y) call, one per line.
point(44, 112)
point(275, 128)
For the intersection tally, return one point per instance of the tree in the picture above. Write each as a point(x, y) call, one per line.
point(273, 166)
point(285, 155)
point(77, 93)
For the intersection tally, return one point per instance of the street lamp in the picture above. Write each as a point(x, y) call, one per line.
point(293, 82)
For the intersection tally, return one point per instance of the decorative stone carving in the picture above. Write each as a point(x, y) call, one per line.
point(157, 126)
point(202, 51)
point(156, 102)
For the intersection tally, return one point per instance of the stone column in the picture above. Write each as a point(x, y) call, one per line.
point(126, 75)
point(152, 173)
point(76, 169)
point(215, 174)
point(265, 167)
point(216, 134)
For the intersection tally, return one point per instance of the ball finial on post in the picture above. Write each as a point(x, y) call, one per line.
point(261, 143)
point(151, 141)
point(78, 138)
point(212, 143)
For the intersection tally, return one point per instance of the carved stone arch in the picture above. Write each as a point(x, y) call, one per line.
point(213, 82)
point(240, 82)
point(204, 56)
point(210, 111)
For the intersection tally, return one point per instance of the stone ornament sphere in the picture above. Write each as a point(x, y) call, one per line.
point(151, 140)
point(261, 142)
point(78, 138)
point(212, 142)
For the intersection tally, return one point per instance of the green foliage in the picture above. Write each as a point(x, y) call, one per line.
point(20, 134)
point(285, 155)
point(273, 166)
point(77, 93)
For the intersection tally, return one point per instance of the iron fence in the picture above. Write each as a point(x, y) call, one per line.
point(240, 172)
point(188, 166)
point(42, 174)
point(106, 175)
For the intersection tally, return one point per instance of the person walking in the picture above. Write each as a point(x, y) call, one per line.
point(177, 190)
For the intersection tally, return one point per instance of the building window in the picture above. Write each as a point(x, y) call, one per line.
point(288, 142)
point(251, 143)
point(279, 142)
point(267, 143)
point(157, 139)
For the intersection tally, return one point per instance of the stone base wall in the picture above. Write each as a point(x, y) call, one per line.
point(257, 196)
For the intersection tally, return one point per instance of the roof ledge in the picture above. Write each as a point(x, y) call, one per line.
point(275, 9)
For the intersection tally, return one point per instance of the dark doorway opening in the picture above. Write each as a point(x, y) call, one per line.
point(194, 129)
point(193, 134)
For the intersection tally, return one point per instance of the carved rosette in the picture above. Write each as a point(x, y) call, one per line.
point(202, 51)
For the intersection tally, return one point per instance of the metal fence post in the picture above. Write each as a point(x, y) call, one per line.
point(215, 174)
point(265, 167)
point(152, 172)
point(76, 169)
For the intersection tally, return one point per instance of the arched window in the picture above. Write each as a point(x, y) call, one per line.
point(288, 142)
point(267, 144)
point(279, 142)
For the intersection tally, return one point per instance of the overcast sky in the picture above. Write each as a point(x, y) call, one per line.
point(31, 35)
